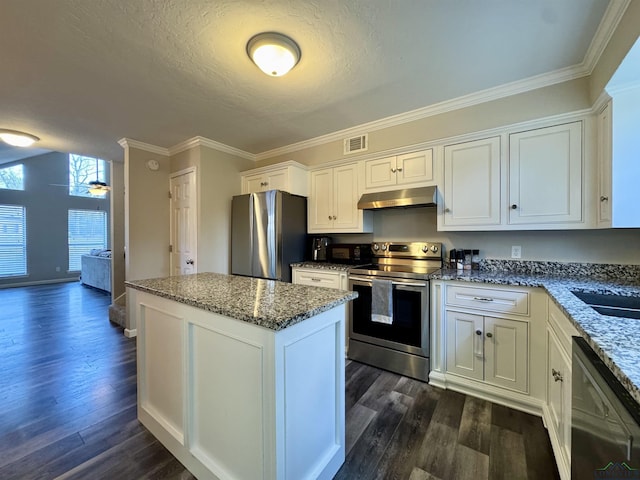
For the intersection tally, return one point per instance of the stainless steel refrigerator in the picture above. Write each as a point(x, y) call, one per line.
point(268, 233)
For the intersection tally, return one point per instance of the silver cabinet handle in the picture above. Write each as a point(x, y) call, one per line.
point(557, 376)
point(264, 184)
point(316, 280)
point(190, 262)
point(489, 334)
point(335, 218)
point(399, 169)
point(393, 170)
point(329, 217)
point(483, 299)
point(604, 198)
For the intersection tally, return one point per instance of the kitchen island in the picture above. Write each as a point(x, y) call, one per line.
point(241, 377)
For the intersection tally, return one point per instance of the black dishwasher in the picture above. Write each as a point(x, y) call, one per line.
point(605, 420)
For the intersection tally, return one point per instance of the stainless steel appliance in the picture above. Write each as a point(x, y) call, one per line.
point(320, 248)
point(605, 420)
point(268, 233)
point(401, 346)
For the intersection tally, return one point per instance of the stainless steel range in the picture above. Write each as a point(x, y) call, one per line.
point(399, 278)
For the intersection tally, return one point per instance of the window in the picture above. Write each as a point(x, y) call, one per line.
point(87, 230)
point(83, 170)
point(13, 241)
point(12, 178)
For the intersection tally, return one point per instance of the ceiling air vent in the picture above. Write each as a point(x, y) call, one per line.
point(356, 144)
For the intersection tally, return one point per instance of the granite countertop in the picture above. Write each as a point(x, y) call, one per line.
point(339, 267)
point(615, 340)
point(267, 303)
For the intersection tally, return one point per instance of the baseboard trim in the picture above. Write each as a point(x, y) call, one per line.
point(39, 282)
point(130, 333)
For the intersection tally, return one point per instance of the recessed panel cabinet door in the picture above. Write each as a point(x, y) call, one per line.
point(545, 175)
point(320, 203)
point(415, 167)
point(507, 353)
point(465, 348)
point(380, 172)
point(346, 197)
point(472, 183)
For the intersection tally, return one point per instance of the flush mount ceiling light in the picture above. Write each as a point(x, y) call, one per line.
point(275, 54)
point(17, 139)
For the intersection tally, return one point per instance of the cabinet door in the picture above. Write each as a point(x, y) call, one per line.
point(320, 203)
point(345, 203)
point(416, 167)
point(559, 393)
point(254, 183)
point(506, 353)
point(545, 175)
point(604, 166)
point(465, 349)
point(472, 183)
point(278, 180)
point(380, 173)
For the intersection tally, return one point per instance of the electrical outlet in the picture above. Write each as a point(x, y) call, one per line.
point(516, 251)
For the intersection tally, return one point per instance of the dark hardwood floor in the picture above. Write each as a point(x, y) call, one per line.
point(68, 408)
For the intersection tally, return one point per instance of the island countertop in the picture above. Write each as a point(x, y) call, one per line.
point(267, 303)
point(615, 340)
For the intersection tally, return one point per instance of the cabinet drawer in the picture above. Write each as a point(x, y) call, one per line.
point(561, 326)
point(489, 299)
point(316, 278)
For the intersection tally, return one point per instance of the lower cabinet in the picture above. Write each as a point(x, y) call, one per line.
point(316, 277)
point(557, 408)
point(494, 350)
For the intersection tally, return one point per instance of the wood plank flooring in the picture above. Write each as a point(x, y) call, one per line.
point(68, 408)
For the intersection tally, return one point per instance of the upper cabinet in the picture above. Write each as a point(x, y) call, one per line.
point(545, 175)
point(412, 169)
point(333, 202)
point(604, 148)
point(288, 176)
point(471, 190)
point(537, 182)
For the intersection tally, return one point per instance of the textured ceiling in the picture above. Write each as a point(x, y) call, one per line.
point(81, 74)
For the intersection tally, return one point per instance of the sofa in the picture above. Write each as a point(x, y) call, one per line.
point(96, 270)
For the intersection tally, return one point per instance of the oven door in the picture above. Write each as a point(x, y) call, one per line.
point(409, 331)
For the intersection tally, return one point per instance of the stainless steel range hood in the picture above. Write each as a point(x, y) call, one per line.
point(410, 197)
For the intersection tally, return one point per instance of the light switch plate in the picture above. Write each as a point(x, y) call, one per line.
point(516, 251)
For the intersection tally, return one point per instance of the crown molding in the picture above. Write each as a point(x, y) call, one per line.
point(147, 147)
point(608, 24)
point(206, 142)
point(476, 98)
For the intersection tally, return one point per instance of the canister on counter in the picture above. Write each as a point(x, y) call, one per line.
point(467, 259)
point(453, 259)
point(475, 260)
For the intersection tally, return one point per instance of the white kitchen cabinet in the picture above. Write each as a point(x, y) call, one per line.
point(471, 189)
point(493, 350)
point(414, 169)
point(605, 165)
point(316, 277)
point(287, 176)
point(545, 175)
point(557, 408)
point(333, 202)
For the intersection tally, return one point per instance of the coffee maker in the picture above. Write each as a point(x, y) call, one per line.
point(319, 248)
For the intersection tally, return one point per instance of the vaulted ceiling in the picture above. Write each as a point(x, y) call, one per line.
point(82, 74)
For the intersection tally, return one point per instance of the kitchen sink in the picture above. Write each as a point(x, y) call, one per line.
point(611, 305)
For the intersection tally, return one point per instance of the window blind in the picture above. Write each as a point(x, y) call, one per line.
point(13, 241)
point(87, 230)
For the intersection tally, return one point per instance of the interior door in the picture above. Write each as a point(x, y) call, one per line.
point(183, 250)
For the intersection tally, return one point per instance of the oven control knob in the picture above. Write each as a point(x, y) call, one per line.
point(434, 248)
point(376, 247)
point(425, 248)
point(384, 247)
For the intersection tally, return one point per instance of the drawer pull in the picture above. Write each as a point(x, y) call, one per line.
point(483, 299)
point(557, 376)
point(316, 280)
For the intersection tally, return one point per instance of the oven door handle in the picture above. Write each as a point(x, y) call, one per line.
point(399, 284)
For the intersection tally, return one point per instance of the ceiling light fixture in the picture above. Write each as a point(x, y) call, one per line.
point(275, 54)
point(17, 139)
point(98, 188)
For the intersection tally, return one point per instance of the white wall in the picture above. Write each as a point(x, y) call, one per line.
point(117, 229)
